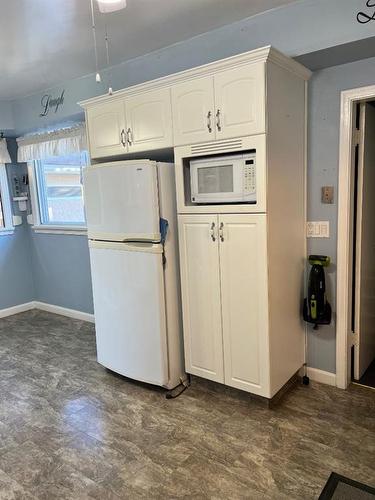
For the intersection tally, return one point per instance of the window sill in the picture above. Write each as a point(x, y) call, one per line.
point(6, 231)
point(50, 229)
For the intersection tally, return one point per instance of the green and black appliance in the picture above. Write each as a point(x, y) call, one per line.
point(316, 308)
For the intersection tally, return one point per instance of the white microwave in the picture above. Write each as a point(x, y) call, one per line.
point(224, 179)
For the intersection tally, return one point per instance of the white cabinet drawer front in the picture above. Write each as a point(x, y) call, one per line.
point(149, 120)
point(193, 110)
point(105, 124)
point(240, 101)
point(201, 296)
point(243, 261)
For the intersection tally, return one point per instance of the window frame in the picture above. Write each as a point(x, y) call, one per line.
point(6, 203)
point(36, 217)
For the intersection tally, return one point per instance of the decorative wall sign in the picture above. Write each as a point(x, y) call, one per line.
point(49, 102)
point(369, 15)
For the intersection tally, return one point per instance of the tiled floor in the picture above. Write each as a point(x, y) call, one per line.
point(70, 429)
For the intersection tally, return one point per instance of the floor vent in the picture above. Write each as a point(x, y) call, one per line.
point(216, 147)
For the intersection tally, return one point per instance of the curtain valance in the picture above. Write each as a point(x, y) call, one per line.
point(61, 142)
point(4, 153)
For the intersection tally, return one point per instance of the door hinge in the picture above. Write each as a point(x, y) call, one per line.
point(357, 137)
point(355, 338)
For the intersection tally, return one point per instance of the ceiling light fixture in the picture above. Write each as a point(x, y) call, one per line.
point(106, 6)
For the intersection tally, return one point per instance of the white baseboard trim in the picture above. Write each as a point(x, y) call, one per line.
point(10, 311)
point(321, 376)
point(63, 311)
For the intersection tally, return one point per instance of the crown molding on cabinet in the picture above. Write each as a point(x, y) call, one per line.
point(264, 54)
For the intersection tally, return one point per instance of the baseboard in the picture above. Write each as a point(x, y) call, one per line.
point(10, 311)
point(321, 376)
point(63, 311)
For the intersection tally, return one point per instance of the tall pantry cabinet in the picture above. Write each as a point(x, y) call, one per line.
point(242, 265)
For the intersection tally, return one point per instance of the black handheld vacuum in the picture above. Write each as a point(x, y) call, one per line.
point(316, 308)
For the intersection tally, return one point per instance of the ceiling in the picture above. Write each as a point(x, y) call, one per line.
point(44, 43)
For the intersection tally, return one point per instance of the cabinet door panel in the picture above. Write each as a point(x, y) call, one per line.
point(240, 101)
point(149, 117)
point(105, 123)
point(191, 104)
point(243, 260)
point(201, 296)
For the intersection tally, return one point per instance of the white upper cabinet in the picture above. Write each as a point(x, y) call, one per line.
point(193, 111)
point(217, 101)
point(200, 281)
point(243, 272)
point(149, 121)
point(106, 129)
point(240, 101)
point(229, 104)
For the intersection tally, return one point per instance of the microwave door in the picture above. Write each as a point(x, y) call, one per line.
point(212, 183)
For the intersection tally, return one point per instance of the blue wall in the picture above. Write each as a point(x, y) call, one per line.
point(296, 29)
point(16, 280)
point(323, 158)
point(61, 262)
point(61, 270)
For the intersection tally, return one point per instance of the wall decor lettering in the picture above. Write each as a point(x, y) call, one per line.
point(49, 102)
point(366, 17)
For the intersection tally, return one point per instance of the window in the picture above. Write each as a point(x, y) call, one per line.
point(59, 190)
point(6, 223)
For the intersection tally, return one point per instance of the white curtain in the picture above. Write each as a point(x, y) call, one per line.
point(4, 153)
point(57, 143)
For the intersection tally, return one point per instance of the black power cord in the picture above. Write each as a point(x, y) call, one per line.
point(177, 391)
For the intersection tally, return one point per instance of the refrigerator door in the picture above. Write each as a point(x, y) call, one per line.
point(130, 321)
point(122, 201)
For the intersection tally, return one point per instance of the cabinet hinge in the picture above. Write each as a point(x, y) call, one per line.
point(357, 137)
point(355, 338)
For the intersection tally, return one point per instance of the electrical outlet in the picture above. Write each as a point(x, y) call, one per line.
point(317, 229)
point(327, 194)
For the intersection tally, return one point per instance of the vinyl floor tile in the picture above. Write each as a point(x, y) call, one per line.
point(69, 429)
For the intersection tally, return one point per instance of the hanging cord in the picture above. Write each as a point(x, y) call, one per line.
point(106, 38)
point(97, 74)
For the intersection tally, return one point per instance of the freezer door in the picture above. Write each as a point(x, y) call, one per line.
point(122, 202)
point(129, 307)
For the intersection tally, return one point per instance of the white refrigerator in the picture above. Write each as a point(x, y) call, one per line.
point(132, 231)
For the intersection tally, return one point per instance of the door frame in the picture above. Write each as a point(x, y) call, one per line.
point(344, 230)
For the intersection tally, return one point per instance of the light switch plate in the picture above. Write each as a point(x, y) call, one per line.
point(317, 229)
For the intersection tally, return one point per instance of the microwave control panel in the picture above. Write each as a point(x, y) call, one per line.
point(249, 177)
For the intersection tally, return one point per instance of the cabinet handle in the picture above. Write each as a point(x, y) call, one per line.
point(129, 134)
point(209, 123)
point(218, 120)
point(213, 238)
point(221, 231)
point(123, 138)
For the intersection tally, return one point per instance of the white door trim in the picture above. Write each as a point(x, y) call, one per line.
point(344, 251)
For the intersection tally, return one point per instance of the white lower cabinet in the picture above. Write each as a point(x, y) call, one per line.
point(200, 274)
point(224, 289)
point(243, 276)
